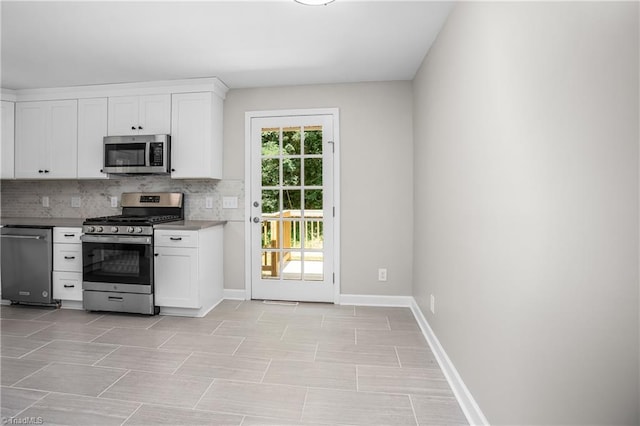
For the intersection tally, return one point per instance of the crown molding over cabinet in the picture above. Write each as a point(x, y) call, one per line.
point(210, 84)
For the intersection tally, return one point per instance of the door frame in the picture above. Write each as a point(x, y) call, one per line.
point(335, 112)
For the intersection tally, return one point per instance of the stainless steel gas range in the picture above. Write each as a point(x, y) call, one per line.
point(117, 253)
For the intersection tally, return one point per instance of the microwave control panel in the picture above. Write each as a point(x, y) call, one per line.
point(156, 154)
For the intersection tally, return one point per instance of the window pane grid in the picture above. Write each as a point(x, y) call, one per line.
point(292, 203)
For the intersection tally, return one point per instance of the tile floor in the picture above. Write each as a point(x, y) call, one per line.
point(245, 363)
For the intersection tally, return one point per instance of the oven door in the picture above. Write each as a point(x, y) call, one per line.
point(117, 263)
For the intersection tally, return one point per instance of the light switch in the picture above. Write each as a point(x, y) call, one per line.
point(208, 202)
point(75, 201)
point(114, 201)
point(229, 202)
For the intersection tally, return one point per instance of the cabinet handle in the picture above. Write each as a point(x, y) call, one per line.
point(40, 171)
point(69, 257)
point(46, 171)
point(69, 286)
point(133, 127)
point(156, 254)
point(139, 127)
point(69, 235)
point(175, 238)
point(116, 299)
point(173, 170)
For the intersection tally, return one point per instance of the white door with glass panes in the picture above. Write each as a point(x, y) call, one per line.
point(292, 208)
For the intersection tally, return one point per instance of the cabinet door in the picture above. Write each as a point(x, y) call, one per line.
point(67, 257)
point(62, 147)
point(92, 128)
point(7, 142)
point(30, 134)
point(67, 285)
point(193, 148)
point(166, 238)
point(176, 277)
point(46, 139)
point(67, 235)
point(123, 115)
point(155, 115)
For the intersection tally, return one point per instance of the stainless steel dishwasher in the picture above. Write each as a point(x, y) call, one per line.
point(27, 263)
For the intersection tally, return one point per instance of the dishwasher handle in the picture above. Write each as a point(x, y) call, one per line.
point(23, 237)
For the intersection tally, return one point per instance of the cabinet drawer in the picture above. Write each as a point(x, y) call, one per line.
point(67, 235)
point(176, 238)
point(118, 302)
point(67, 257)
point(67, 285)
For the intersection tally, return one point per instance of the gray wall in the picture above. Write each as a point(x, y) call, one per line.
point(376, 151)
point(377, 193)
point(526, 207)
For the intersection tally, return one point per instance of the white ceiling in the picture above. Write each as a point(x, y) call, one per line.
point(244, 43)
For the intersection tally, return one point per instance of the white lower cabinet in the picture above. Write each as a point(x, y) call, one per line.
point(67, 266)
point(176, 272)
point(67, 257)
point(188, 271)
point(67, 285)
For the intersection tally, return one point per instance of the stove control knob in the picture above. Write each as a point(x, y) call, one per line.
point(114, 229)
point(139, 230)
point(91, 229)
point(130, 229)
point(99, 229)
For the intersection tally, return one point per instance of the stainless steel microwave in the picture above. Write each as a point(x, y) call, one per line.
point(146, 154)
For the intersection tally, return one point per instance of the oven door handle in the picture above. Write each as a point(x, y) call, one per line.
point(116, 239)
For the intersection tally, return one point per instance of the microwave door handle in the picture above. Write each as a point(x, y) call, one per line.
point(149, 154)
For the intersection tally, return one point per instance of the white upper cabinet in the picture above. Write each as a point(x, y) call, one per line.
point(58, 133)
point(46, 139)
point(139, 115)
point(7, 142)
point(92, 128)
point(196, 136)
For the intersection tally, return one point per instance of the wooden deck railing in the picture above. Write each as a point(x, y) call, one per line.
point(292, 236)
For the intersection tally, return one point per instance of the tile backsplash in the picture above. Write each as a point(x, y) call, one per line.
point(24, 198)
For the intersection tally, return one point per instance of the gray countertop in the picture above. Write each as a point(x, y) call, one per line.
point(42, 221)
point(183, 225)
point(189, 225)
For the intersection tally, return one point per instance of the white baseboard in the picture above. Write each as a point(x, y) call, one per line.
point(233, 294)
point(465, 399)
point(71, 304)
point(375, 300)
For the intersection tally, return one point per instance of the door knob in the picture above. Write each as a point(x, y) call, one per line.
point(256, 219)
point(256, 204)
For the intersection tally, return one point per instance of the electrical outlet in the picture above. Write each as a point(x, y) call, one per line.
point(229, 202)
point(208, 201)
point(433, 304)
point(75, 201)
point(382, 274)
point(114, 201)
point(45, 201)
